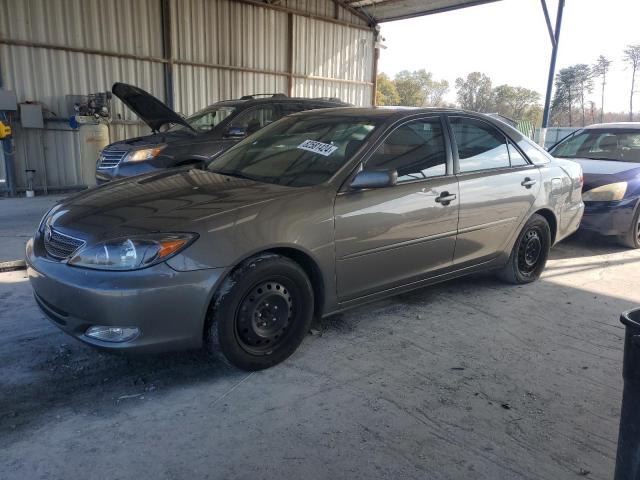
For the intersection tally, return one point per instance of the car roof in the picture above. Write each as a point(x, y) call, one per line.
point(387, 112)
point(614, 126)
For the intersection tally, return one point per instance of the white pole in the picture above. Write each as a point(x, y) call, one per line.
point(543, 136)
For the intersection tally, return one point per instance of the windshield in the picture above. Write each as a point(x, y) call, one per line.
point(296, 151)
point(205, 120)
point(618, 145)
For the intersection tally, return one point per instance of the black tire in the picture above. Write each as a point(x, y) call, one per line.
point(262, 313)
point(632, 238)
point(530, 252)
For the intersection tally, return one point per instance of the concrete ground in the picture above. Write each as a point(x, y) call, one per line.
point(470, 379)
point(19, 218)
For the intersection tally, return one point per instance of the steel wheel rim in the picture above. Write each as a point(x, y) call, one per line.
point(264, 317)
point(530, 251)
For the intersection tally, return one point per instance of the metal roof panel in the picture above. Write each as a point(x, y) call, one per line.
point(388, 10)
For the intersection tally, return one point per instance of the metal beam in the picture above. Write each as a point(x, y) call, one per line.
point(176, 61)
point(302, 13)
point(290, 54)
point(357, 13)
point(93, 51)
point(423, 13)
point(552, 72)
point(167, 51)
point(548, 20)
point(376, 56)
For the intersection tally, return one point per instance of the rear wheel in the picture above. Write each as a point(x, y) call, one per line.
point(632, 238)
point(530, 252)
point(263, 314)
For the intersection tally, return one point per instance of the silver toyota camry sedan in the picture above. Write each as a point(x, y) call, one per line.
point(316, 213)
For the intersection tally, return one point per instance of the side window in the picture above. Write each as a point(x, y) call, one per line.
point(516, 157)
point(254, 119)
point(480, 145)
point(416, 150)
point(206, 122)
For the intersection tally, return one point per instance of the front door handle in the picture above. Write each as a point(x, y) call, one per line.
point(528, 182)
point(445, 198)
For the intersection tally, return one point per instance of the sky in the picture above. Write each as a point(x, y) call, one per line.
point(508, 41)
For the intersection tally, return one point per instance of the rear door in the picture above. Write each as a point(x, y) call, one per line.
point(386, 237)
point(498, 186)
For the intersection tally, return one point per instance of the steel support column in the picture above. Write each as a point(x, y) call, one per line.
point(555, 41)
point(290, 54)
point(167, 51)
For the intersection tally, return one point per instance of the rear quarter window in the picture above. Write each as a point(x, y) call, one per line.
point(535, 153)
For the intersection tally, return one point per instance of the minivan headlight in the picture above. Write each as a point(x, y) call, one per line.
point(144, 154)
point(606, 193)
point(132, 253)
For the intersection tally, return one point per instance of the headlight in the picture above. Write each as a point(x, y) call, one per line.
point(144, 154)
point(132, 253)
point(606, 193)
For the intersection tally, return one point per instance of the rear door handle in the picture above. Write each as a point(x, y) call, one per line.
point(445, 198)
point(528, 182)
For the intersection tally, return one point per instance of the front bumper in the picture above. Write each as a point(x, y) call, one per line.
point(609, 218)
point(168, 307)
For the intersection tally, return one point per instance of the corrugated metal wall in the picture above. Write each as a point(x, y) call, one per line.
point(226, 33)
point(328, 50)
point(220, 49)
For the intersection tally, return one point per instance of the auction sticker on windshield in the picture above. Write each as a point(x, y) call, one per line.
point(320, 148)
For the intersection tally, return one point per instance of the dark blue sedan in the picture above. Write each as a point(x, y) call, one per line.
point(610, 157)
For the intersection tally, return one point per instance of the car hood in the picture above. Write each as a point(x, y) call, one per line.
point(150, 110)
point(602, 172)
point(170, 138)
point(173, 200)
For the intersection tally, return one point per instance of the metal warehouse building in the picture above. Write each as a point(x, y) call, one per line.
point(188, 53)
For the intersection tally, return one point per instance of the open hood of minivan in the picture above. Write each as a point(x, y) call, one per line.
point(151, 110)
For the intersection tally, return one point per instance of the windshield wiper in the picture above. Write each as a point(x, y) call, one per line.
point(604, 158)
point(235, 174)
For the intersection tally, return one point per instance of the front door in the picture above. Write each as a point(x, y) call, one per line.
point(396, 235)
point(497, 189)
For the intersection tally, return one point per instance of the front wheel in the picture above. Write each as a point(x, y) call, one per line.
point(263, 312)
point(632, 238)
point(530, 252)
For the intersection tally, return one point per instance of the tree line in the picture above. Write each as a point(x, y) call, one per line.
point(476, 92)
point(574, 83)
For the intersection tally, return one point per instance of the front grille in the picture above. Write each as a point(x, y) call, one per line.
point(111, 158)
point(59, 245)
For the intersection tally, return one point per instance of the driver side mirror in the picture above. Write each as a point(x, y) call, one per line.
point(374, 179)
point(235, 132)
